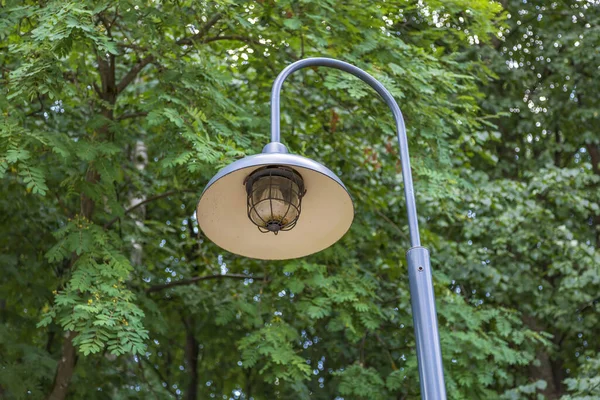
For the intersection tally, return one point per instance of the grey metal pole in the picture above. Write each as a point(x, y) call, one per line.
point(429, 354)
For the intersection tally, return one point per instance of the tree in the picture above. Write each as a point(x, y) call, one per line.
point(115, 115)
point(549, 154)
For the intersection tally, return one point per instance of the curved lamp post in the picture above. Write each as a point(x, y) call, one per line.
point(276, 205)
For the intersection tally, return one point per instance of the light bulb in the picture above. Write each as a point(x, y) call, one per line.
point(274, 201)
point(273, 205)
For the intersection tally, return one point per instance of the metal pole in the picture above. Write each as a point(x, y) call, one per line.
point(429, 353)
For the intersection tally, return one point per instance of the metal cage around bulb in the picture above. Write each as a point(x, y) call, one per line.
point(274, 198)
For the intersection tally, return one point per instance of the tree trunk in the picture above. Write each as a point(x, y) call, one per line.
point(594, 151)
point(191, 358)
point(549, 370)
point(65, 368)
point(140, 159)
point(66, 364)
point(595, 156)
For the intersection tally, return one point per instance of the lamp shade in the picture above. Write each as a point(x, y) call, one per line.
point(223, 215)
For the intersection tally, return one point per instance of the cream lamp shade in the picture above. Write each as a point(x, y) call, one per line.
point(326, 213)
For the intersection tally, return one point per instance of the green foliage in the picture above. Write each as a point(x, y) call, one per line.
point(358, 382)
point(274, 341)
point(587, 385)
point(114, 115)
point(95, 302)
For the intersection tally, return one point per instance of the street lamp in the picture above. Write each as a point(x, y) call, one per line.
point(276, 206)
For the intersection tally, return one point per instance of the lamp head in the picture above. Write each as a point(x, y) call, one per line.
point(275, 206)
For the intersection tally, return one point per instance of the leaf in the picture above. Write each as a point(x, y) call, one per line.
point(15, 155)
point(34, 179)
point(292, 23)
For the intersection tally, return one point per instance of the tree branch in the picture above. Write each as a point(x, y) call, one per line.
point(157, 288)
point(238, 38)
point(392, 224)
point(97, 89)
point(148, 200)
point(107, 25)
point(41, 106)
point(133, 72)
point(132, 115)
point(160, 376)
point(143, 375)
point(362, 351)
point(589, 304)
point(63, 206)
point(394, 367)
point(202, 31)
